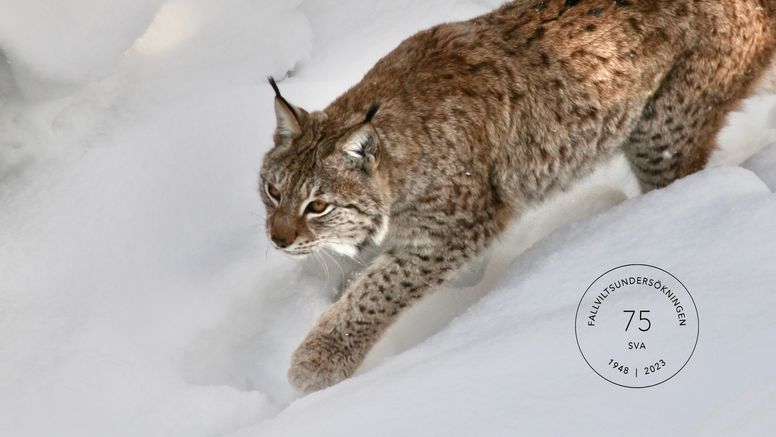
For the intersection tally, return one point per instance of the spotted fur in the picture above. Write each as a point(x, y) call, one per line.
point(464, 125)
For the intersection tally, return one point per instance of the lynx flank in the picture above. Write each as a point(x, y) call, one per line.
point(465, 125)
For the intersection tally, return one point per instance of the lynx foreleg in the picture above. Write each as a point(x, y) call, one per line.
point(346, 332)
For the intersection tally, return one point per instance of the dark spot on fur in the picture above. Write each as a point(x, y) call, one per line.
point(649, 111)
point(635, 24)
point(579, 53)
point(514, 95)
point(477, 67)
point(537, 35)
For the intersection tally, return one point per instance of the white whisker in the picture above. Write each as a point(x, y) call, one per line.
point(358, 260)
point(342, 271)
point(320, 259)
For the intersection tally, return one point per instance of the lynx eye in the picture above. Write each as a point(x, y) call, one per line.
point(273, 192)
point(316, 207)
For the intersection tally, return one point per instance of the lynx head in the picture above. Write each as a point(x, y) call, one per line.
point(322, 183)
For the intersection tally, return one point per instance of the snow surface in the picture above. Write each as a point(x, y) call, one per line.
point(764, 164)
point(510, 365)
point(139, 296)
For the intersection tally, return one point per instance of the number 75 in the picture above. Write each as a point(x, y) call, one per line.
point(642, 318)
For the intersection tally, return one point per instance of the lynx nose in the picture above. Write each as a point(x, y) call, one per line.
point(281, 241)
point(282, 231)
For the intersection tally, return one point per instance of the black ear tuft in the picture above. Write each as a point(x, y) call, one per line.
point(371, 113)
point(275, 87)
point(289, 117)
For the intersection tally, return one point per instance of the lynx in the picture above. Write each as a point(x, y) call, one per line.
point(465, 125)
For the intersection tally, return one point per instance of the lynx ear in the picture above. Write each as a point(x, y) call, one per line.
point(361, 143)
point(289, 117)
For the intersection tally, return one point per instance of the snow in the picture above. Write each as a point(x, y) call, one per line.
point(511, 363)
point(764, 164)
point(69, 43)
point(139, 295)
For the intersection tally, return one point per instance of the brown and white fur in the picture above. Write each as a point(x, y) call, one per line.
point(465, 125)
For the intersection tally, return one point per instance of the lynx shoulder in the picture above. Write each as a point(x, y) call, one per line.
point(464, 125)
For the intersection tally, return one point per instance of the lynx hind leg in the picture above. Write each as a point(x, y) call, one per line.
point(678, 127)
point(671, 141)
point(676, 133)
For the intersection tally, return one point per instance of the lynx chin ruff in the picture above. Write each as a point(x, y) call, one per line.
point(465, 125)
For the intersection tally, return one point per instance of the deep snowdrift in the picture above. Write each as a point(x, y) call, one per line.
point(138, 295)
point(510, 365)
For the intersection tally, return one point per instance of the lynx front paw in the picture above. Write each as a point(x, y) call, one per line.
point(321, 361)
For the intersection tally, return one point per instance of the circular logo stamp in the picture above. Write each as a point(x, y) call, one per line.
point(637, 326)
